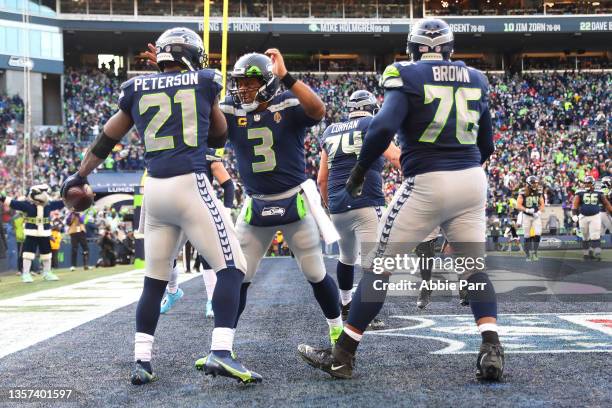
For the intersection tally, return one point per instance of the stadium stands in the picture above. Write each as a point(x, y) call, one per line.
point(554, 125)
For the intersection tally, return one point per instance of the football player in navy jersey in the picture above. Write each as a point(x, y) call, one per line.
point(177, 113)
point(587, 214)
point(356, 219)
point(531, 204)
point(266, 128)
point(439, 109)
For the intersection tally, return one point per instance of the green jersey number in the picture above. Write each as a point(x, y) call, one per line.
point(467, 119)
point(184, 97)
point(532, 201)
point(264, 149)
point(591, 199)
point(343, 139)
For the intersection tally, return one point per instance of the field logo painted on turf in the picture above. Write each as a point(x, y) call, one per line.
point(519, 333)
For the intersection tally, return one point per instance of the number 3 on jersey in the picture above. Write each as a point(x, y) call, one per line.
point(467, 119)
point(263, 149)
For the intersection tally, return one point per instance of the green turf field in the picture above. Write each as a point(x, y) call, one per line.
point(11, 285)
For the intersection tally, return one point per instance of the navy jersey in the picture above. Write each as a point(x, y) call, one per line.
point(342, 142)
point(36, 220)
point(589, 201)
point(531, 198)
point(269, 145)
point(172, 113)
point(446, 100)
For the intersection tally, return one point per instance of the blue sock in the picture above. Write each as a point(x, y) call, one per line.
point(483, 301)
point(345, 274)
point(367, 301)
point(226, 297)
point(243, 297)
point(326, 293)
point(147, 311)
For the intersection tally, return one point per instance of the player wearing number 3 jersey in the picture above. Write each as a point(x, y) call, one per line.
point(266, 129)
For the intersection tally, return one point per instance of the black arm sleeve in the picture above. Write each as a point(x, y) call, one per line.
point(228, 193)
point(383, 127)
point(485, 136)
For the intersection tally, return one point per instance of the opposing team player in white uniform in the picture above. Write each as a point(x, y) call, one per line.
point(177, 113)
point(439, 108)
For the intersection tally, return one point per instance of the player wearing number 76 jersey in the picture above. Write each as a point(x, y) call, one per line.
point(439, 110)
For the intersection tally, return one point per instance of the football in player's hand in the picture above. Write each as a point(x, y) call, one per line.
point(79, 198)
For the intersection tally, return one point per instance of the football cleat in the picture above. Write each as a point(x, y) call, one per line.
point(344, 311)
point(141, 376)
point(169, 300)
point(376, 324)
point(424, 298)
point(324, 359)
point(26, 278)
point(534, 257)
point(334, 333)
point(227, 367)
point(50, 276)
point(490, 363)
point(199, 364)
point(209, 309)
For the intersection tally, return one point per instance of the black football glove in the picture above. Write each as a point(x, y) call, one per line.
point(75, 180)
point(354, 184)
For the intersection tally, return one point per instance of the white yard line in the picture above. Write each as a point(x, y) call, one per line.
point(61, 309)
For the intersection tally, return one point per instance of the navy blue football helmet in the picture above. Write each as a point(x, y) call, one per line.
point(361, 103)
point(181, 46)
point(430, 36)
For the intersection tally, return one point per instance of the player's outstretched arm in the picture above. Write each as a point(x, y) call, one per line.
point(575, 207)
point(322, 176)
point(311, 103)
point(519, 203)
point(383, 127)
point(380, 134)
point(485, 136)
point(217, 131)
point(393, 154)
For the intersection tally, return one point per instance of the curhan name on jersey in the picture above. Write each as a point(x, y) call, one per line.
point(344, 126)
point(162, 82)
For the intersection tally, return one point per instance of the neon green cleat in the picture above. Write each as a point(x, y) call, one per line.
point(334, 333)
point(215, 365)
point(26, 278)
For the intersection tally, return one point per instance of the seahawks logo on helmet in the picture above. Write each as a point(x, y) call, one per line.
point(430, 38)
point(181, 46)
point(589, 182)
point(253, 65)
point(362, 103)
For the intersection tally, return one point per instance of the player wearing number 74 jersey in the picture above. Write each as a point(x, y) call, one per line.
point(439, 110)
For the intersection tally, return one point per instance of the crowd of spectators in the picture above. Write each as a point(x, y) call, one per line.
point(553, 125)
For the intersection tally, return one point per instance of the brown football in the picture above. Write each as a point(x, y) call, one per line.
point(79, 198)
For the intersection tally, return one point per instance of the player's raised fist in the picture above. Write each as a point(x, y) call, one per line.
point(151, 55)
point(278, 63)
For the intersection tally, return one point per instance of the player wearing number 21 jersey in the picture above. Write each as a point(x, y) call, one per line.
point(266, 128)
point(177, 113)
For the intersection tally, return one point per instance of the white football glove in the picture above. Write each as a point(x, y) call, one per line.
point(530, 211)
point(575, 218)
